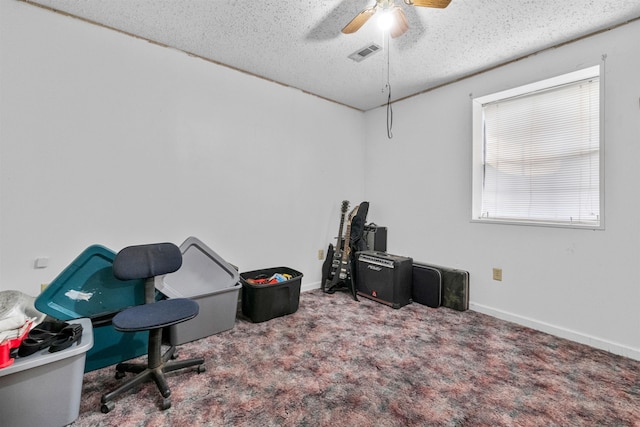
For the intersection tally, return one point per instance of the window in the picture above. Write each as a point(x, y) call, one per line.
point(538, 153)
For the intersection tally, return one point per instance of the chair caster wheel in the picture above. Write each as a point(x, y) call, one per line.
point(201, 369)
point(120, 375)
point(166, 403)
point(106, 407)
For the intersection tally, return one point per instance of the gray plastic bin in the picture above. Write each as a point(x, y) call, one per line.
point(44, 389)
point(209, 280)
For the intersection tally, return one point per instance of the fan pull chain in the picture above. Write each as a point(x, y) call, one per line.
point(389, 107)
point(389, 116)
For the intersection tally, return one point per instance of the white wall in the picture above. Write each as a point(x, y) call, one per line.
point(108, 139)
point(579, 284)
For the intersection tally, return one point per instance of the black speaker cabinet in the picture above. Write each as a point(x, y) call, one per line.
point(376, 237)
point(384, 277)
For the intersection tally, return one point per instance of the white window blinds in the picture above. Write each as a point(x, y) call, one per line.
point(541, 156)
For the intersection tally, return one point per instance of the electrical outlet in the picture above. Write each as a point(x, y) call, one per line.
point(497, 274)
point(42, 262)
point(320, 254)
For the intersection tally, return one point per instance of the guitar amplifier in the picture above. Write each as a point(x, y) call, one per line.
point(384, 277)
point(376, 237)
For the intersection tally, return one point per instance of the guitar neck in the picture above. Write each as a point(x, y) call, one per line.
point(346, 249)
point(343, 210)
point(339, 239)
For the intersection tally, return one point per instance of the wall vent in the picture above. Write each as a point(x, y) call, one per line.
point(365, 52)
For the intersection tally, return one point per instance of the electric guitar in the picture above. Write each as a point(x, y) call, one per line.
point(343, 273)
point(334, 254)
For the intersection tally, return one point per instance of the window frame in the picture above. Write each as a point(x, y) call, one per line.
point(478, 145)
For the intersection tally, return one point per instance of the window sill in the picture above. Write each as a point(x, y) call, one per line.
point(585, 226)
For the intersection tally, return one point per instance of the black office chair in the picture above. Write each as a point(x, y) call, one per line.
point(146, 262)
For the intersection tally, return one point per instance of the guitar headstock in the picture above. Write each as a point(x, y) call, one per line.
point(353, 213)
point(345, 206)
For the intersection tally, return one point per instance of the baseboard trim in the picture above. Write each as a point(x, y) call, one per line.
point(309, 286)
point(578, 337)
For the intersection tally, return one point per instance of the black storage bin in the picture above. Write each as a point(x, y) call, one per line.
point(262, 302)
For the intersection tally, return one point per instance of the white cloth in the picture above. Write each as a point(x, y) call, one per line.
point(10, 327)
point(16, 309)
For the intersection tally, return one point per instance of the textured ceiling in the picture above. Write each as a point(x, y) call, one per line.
point(298, 43)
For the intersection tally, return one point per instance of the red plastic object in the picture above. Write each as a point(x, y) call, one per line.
point(7, 345)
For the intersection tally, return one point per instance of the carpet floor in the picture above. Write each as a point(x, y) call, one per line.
point(338, 362)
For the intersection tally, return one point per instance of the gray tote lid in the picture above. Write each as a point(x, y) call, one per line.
point(203, 272)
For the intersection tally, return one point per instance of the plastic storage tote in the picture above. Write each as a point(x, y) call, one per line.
point(261, 302)
point(43, 389)
point(87, 288)
point(209, 280)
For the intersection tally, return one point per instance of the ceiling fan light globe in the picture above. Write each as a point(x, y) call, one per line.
point(385, 20)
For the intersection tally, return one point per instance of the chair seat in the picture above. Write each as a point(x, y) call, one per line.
point(155, 315)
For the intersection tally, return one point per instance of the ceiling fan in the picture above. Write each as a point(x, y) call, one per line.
point(398, 23)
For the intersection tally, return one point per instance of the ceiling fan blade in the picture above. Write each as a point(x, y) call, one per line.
point(359, 21)
point(440, 4)
point(400, 23)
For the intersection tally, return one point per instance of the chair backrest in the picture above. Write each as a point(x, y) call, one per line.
point(147, 261)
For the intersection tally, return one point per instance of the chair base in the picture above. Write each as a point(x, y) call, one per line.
point(152, 370)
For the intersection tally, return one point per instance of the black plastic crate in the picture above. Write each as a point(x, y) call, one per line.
point(262, 302)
